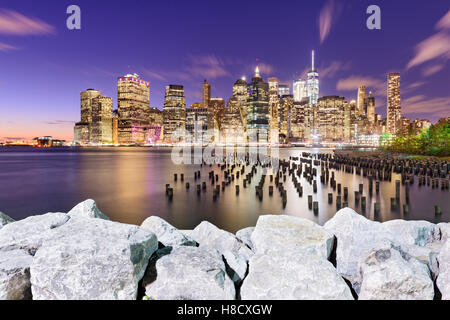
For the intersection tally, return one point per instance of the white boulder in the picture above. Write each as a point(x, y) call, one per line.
point(87, 209)
point(443, 280)
point(167, 234)
point(91, 259)
point(293, 277)
point(29, 233)
point(191, 273)
point(388, 273)
point(235, 252)
point(15, 275)
point(274, 234)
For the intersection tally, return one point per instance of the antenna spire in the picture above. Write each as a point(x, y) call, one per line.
point(312, 60)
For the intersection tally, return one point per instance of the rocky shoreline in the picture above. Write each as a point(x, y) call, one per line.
point(83, 255)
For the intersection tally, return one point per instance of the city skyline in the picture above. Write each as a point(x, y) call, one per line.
point(51, 106)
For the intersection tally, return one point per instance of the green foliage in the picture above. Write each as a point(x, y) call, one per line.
point(432, 142)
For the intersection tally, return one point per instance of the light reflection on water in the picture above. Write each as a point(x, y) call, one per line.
point(129, 185)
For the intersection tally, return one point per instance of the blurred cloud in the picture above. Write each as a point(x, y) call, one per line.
point(435, 46)
point(7, 47)
point(353, 83)
point(434, 107)
point(60, 122)
point(327, 16)
point(15, 23)
point(432, 70)
point(209, 66)
point(333, 68)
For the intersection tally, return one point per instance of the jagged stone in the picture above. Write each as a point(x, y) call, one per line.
point(87, 209)
point(245, 235)
point(191, 273)
point(167, 234)
point(4, 219)
point(235, 252)
point(15, 275)
point(92, 259)
point(274, 234)
point(443, 280)
point(293, 277)
point(389, 273)
point(29, 233)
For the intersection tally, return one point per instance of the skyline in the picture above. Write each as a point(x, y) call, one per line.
point(35, 101)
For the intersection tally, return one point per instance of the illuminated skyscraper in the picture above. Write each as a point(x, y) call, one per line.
point(258, 109)
point(394, 112)
point(370, 113)
point(206, 94)
point(174, 113)
point(241, 94)
point(133, 97)
point(300, 91)
point(217, 108)
point(95, 126)
point(274, 104)
point(232, 128)
point(361, 100)
point(312, 84)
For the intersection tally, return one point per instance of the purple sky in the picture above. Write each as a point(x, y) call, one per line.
point(44, 66)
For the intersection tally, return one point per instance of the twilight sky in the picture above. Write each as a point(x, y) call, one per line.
point(44, 66)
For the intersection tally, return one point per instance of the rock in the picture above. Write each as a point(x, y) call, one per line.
point(191, 273)
point(357, 235)
point(443, 280)
point(4, 219)
point(235, 252)
point(167, 234)
point(91, 259)
point(29, 233)
point(15, 275)
point(293, 277)
point(443, 231)
point(391, 274)
point(245, 236)
point(87, 209)
point(274, 234)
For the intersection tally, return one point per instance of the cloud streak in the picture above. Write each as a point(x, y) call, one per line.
point(15, 23)
point(435, 46)
point(353, 82)
point(327, 16)
point(7, 47)
point(434, 107)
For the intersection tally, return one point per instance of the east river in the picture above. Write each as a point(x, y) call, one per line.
point(128, 185)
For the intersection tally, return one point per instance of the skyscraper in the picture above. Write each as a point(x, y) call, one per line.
point(361, 100)
point(394, 112)
point(174, 113)
point(258, 109)
point(95, 126)
point(300, 91)
point(370, 113)
point(217, 108)
point(232, 128)
point(133, 97)
point(206, 94)
point(241, 94)
point(312, 84)
point(274, 104)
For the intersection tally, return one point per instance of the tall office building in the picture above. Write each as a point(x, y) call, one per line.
point(283, 90)
point(394, 112)
point(95, 126)
point(274, 105)
point(217, 109)
point(241, 94)
point(174, 113)
point(206, 94)
point(133, 97)
point(300, 91)
point(361, 100)
point(232, 128)
point(258, 109)
point(370, 113)
point(197, 123)
point(115, 127)
point(312, 84)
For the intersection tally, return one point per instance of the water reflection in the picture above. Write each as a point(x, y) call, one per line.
point(129, 185)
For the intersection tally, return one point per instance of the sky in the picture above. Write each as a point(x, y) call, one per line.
point(44, 66)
